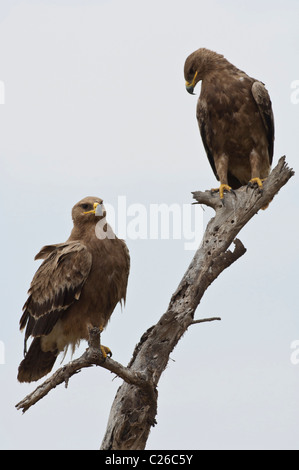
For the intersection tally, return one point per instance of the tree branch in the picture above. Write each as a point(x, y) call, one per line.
point(92, 356)
point(135, 405)
point(204, 320)
point(132, 415)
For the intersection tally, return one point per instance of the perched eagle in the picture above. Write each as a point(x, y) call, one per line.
point(235, 119)
point(76, 287)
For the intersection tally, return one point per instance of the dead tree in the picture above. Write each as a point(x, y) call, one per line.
point(134, 408)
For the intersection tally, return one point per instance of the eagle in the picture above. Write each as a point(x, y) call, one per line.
point(235, 119)
point(76, 287)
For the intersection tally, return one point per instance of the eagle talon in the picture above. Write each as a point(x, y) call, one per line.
point(106, 352)
point(256, 182)
point(221, 189)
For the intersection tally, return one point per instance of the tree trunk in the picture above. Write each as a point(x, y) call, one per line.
point(134, 410)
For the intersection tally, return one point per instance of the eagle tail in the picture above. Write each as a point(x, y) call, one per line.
point(36, 363)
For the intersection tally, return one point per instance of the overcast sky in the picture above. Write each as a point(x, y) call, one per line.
point(95, 104)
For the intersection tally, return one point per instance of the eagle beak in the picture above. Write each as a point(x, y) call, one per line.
point(191, 85)
point(97, 210)
point(190, 88)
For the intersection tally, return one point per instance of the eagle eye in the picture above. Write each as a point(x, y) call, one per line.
point(85, 206)
point(191, 72)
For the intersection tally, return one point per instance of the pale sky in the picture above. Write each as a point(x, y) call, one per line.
point(95, 104)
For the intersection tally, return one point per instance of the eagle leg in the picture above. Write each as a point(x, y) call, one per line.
point(94, 341)
point(104, 349)
point(221, 189)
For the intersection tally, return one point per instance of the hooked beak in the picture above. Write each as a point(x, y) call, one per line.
point(190, 88)
point(190, 85)
point(97, 210)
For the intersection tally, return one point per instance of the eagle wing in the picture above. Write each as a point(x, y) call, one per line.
point(124, 282)
point(263, 101)
point(55, 286)
point(203, 119)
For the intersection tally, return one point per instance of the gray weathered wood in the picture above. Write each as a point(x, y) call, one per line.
point(133, 412)
point(134, 408)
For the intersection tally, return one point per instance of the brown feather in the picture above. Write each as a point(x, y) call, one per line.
point(235, 118)
point(77, 286)
point(37, 363)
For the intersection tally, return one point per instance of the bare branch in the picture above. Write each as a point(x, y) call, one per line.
point(92, 356)
point(124, 430)
point(204, 320)
point(135, 405)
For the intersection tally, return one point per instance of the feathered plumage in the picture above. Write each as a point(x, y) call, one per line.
point(235, 119)
point(76, 287)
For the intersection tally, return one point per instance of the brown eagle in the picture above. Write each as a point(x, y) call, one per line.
point(76, 287)
point(235, 118)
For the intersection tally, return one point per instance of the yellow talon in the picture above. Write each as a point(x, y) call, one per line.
point(221, 189)
point(106, 351)
point(258, 181)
